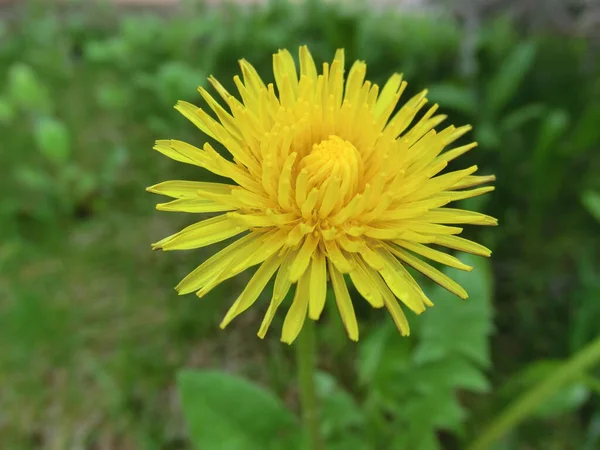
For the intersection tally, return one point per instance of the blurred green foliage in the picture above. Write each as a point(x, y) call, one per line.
point(91, 334)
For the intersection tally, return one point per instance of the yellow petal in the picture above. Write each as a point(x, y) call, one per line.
point(188, 189)
point(344, 303)
point(440, 183)
point(397, 314)
point(183, 152)
point(224, 117)
point(194, 206)
point(458, 216)
point(336, 79)
point(251, 220)
point(471, 181)
point(201, 234)
point(229, 99)
point(424, 126)
point(335, 255)
point(372, 258)
point(364, 284)
point(390, 94)
point(405, 115)
point(380, 231)
point(272, 241)
point(434, 255)
point(330, 195)
point(246, 257)
point(252, 79)
point(296, 315)
point(253, 289)
point(348, 244)
point(432, 273)
point(236, 172)
point(307, 64)
point(464, 245)
point(456, 152)
point(215, 264)
point(412, 209)
point(280, 290)
point(318, 285)
point(400, 285)
point(190, 112)
point(215, 130)
point(285, 69)
point(356, 78)
point(452, 196)
point(422, 226)
point(406, 276)
point(252, 199)
point(302, 260)
point(285, 191)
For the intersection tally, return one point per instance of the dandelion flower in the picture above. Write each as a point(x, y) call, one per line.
point(327, 180)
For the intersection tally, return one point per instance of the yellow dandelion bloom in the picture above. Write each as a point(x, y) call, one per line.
point(326, 181)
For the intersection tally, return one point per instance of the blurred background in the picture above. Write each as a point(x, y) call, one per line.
point(92, 332)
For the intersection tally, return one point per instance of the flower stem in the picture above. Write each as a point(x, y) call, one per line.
point(519, 410)
point(306, 360)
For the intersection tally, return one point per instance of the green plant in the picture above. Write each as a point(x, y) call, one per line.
point(91, 339)
point(409, 391)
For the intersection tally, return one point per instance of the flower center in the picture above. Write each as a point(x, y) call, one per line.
point(334, 160)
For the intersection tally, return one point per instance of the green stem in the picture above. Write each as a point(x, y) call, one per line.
point(593, 384)
point(518, 411)
point(306, 360)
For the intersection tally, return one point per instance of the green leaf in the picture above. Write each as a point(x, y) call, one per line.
point(84, 185)
point(487, 135)
point(439, 409)
point(507, 81)
point(113, 163)
point(381, 355)
point(97, 51)
point(175, 80)
point(53, 140)
point(592, 438)
point(349, 441)
point(453, 373)
point(450, 96)
point(342, 420)
point(459, 327)
point(32, 178)
point(521, 116)
point(25, 89)
point(531, 400)
point(7, 111)
point(591, 202)
point(426, 440)
point(227, 412)
point(371, 352)
point(112, 96)
point(586, 132)
point(498, 36)
point(339, 411)
point(553, 127)
point(416, 388)
point(568, 398)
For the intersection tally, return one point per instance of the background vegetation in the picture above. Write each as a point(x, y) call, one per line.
point(91, 332)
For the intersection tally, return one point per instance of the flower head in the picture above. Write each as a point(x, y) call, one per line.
point(326, 180)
